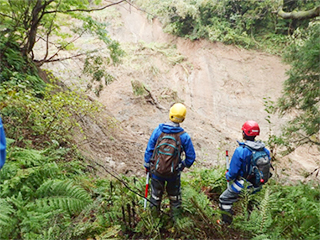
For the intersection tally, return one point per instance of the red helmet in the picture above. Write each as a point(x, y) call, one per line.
point(251, 128)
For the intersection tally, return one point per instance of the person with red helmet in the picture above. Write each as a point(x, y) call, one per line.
point(239, 169)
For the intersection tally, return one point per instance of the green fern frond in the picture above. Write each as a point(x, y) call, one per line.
point(12, 208)
point(27, 157)
point(185, 223)
point(201, 212)
point(149, 225)
point(62, 194)
point(6, 213)
point(28, 180)
point(260, 219)
point(38, 223)
point(34, 220)
point(87, 221)
point(17, 201)
point(19, 162)
point(71, 205)
point(110, 233)
point(261, 237)
point(195, 200)
point(264, 210)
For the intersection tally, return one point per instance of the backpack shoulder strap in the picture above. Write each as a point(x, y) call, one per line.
point(180, 133)
point(158, 139)
point(157, 142)
point(160, 136)
point(247, 147)
point(248, 160)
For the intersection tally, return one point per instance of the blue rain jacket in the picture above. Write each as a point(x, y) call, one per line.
point(185, 142)
point(241, 159)
point(2, 145)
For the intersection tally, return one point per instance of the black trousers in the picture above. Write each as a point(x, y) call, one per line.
point(173, 189)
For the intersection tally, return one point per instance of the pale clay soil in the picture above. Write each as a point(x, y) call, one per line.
point(222, 87)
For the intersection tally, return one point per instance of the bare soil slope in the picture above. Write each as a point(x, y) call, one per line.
point(222, 87)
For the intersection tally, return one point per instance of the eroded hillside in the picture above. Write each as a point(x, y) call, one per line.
point(222, 87)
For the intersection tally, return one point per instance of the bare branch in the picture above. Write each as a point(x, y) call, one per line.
point(304, 140)
point(40, 62)
point(85, 10)
point(60, 48)
point(300, 15)
point(5, 15)
point(48, 34)
point(140, 9)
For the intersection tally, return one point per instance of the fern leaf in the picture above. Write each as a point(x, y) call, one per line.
point(264, 210)
point(6, 213)
point(62, 194)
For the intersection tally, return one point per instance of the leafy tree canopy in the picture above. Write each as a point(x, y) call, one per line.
point(25, 23)
point(301, 90)
point(250, 24)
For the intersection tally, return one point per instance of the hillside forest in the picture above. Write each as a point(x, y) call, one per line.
point(83, 83)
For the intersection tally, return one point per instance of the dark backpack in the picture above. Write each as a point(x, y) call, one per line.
point(166, 155)
point(259, 167)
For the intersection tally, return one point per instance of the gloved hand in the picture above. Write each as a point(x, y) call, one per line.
point(147, 169)
point(181, 166)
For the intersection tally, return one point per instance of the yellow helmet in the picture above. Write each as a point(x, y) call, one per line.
point(177, 113)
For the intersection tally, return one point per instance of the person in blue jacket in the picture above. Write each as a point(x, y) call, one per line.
point(2, 145)
point(172, 185)
point(238, 169)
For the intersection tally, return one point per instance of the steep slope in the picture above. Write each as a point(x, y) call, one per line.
point(222, 87)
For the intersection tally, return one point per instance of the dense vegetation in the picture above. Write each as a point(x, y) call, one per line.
point(44, 196)
point(250, 24)
point(302, 88)
point(48, 190)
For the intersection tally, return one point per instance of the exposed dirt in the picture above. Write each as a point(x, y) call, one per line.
point(222, 87)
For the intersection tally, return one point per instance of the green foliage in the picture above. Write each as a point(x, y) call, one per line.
point(244, 23)
point(99, 29)
point(168, 51)
point(25, 23)
point(95, 66)
point(37, 121)
point(284, 212)
point(37, 112)
point(38, 190)
point(211, 179)
point(259, 220)
point(301, 89)
point(273, 141)
point(44, 198)
point(298, 217)
point(138, 88)
point(198, 220)
point(16, 69)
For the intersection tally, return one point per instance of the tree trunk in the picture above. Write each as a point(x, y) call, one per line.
point(31, 35)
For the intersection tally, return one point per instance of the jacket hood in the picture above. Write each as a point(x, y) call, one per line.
point(170, 128)
point(256, 145)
